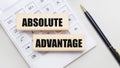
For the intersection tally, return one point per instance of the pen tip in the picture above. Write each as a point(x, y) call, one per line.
point(83, 9)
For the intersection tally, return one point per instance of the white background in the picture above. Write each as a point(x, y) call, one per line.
point(107, 15)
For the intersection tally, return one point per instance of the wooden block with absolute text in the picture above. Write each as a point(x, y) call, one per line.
point(42, 22)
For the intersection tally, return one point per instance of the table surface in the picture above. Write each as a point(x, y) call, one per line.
point(107, 15)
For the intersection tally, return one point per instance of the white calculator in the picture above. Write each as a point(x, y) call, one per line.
point(23, 40)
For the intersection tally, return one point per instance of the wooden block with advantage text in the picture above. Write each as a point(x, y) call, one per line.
point(59, 42)
point(42, 22)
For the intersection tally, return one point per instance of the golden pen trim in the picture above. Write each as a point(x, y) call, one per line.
point(83, 9)
point(118, 51)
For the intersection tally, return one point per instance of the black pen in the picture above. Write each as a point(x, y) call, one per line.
point(101, 34)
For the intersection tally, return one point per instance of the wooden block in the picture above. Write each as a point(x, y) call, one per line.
point(51, 22)
point(60, 42)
